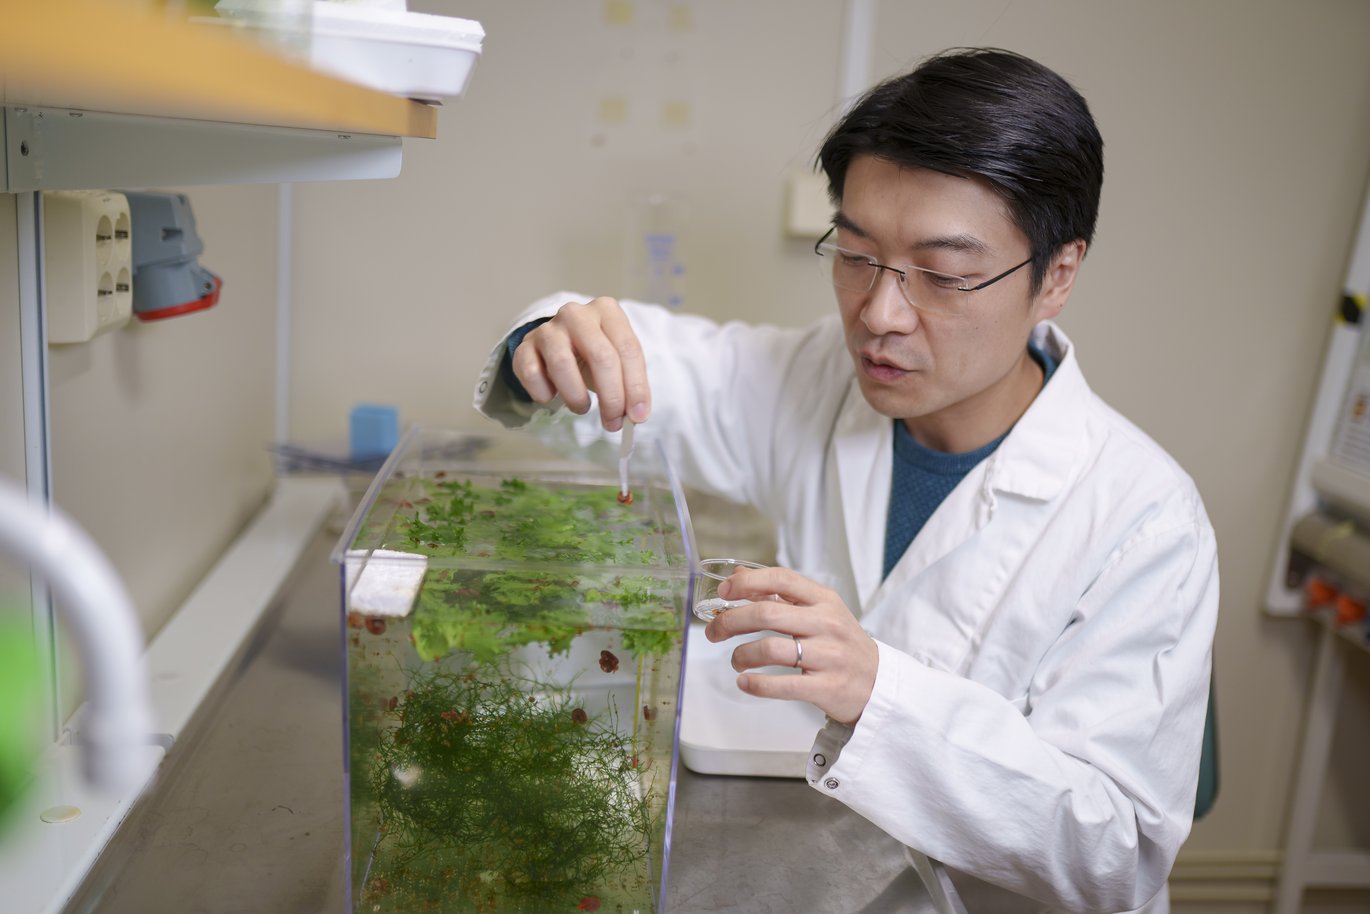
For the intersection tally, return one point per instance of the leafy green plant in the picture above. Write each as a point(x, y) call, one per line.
point(525, 522)
point(563, 535)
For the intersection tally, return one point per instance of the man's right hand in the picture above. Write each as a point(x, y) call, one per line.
point(587, 347)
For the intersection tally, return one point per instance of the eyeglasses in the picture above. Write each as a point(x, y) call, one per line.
point(926, 289)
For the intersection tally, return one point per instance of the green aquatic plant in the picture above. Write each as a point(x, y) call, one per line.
point(566, 535)
point(503, 794)
point(487, 614)
point(520, 521)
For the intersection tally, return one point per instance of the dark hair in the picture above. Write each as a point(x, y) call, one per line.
point(990, 113)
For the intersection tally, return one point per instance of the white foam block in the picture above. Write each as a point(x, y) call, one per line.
point(384, 582)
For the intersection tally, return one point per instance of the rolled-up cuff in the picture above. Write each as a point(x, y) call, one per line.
point(495, 396)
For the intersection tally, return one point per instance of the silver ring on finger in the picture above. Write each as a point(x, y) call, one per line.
point(798, 652)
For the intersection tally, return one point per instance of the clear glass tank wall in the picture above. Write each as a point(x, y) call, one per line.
point(514, 639)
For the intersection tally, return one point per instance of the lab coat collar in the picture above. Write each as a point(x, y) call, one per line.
point(1040, 454)
point(1035, 461)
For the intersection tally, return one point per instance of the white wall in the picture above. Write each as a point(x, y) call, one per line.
point(160, 431)
point(401, 286)
point(1237, 151)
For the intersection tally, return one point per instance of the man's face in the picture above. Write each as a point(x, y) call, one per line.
point(957, 372)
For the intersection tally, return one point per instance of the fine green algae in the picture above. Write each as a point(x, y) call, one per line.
point(505, 793)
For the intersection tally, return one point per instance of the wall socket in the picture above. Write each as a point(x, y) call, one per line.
point(88, 263)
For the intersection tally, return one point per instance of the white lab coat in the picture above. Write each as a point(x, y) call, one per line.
point(1045, 641)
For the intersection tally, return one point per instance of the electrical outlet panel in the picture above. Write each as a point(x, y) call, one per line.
point(88, 263)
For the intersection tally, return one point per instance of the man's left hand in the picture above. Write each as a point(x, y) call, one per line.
point(839, 659)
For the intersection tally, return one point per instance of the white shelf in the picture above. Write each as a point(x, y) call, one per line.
point(42, 864)
point(66, 149)
point(97, 94)
point(193, 650)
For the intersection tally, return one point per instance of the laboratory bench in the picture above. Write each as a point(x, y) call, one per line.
point(246, 813)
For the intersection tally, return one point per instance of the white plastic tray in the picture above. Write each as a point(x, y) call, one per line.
point(415, 55)
point(725, 731)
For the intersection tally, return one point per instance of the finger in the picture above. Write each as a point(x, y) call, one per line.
point(532, 373)
point(759, 583)
point(604, 374)
point(773, 685)
point(556, 347)
point(596, 356)
point(637, 394)
point(763, 616)
point(761, 652)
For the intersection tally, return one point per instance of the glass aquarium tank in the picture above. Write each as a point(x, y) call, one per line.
point(514, 635)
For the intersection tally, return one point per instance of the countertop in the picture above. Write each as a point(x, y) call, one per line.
point(247, 813)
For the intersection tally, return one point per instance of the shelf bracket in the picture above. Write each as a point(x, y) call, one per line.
point(67, 149)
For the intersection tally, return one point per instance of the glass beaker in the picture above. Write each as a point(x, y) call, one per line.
point(713, 572)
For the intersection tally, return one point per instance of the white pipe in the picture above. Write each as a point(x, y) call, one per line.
point(285, 232)
point(858, 39)
point(100, 618)
point(33, 352)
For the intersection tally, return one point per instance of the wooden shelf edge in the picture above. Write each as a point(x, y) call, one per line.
point(100, 56)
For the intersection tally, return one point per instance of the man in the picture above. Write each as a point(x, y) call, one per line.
point(1013, 653)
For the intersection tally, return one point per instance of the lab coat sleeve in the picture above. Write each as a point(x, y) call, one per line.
point(716, 396)
point(1101, 769)
point(493, 397)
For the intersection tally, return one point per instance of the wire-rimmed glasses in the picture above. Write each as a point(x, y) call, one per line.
point(851, 271)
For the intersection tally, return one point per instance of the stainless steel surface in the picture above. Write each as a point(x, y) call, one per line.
point(247, 813)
